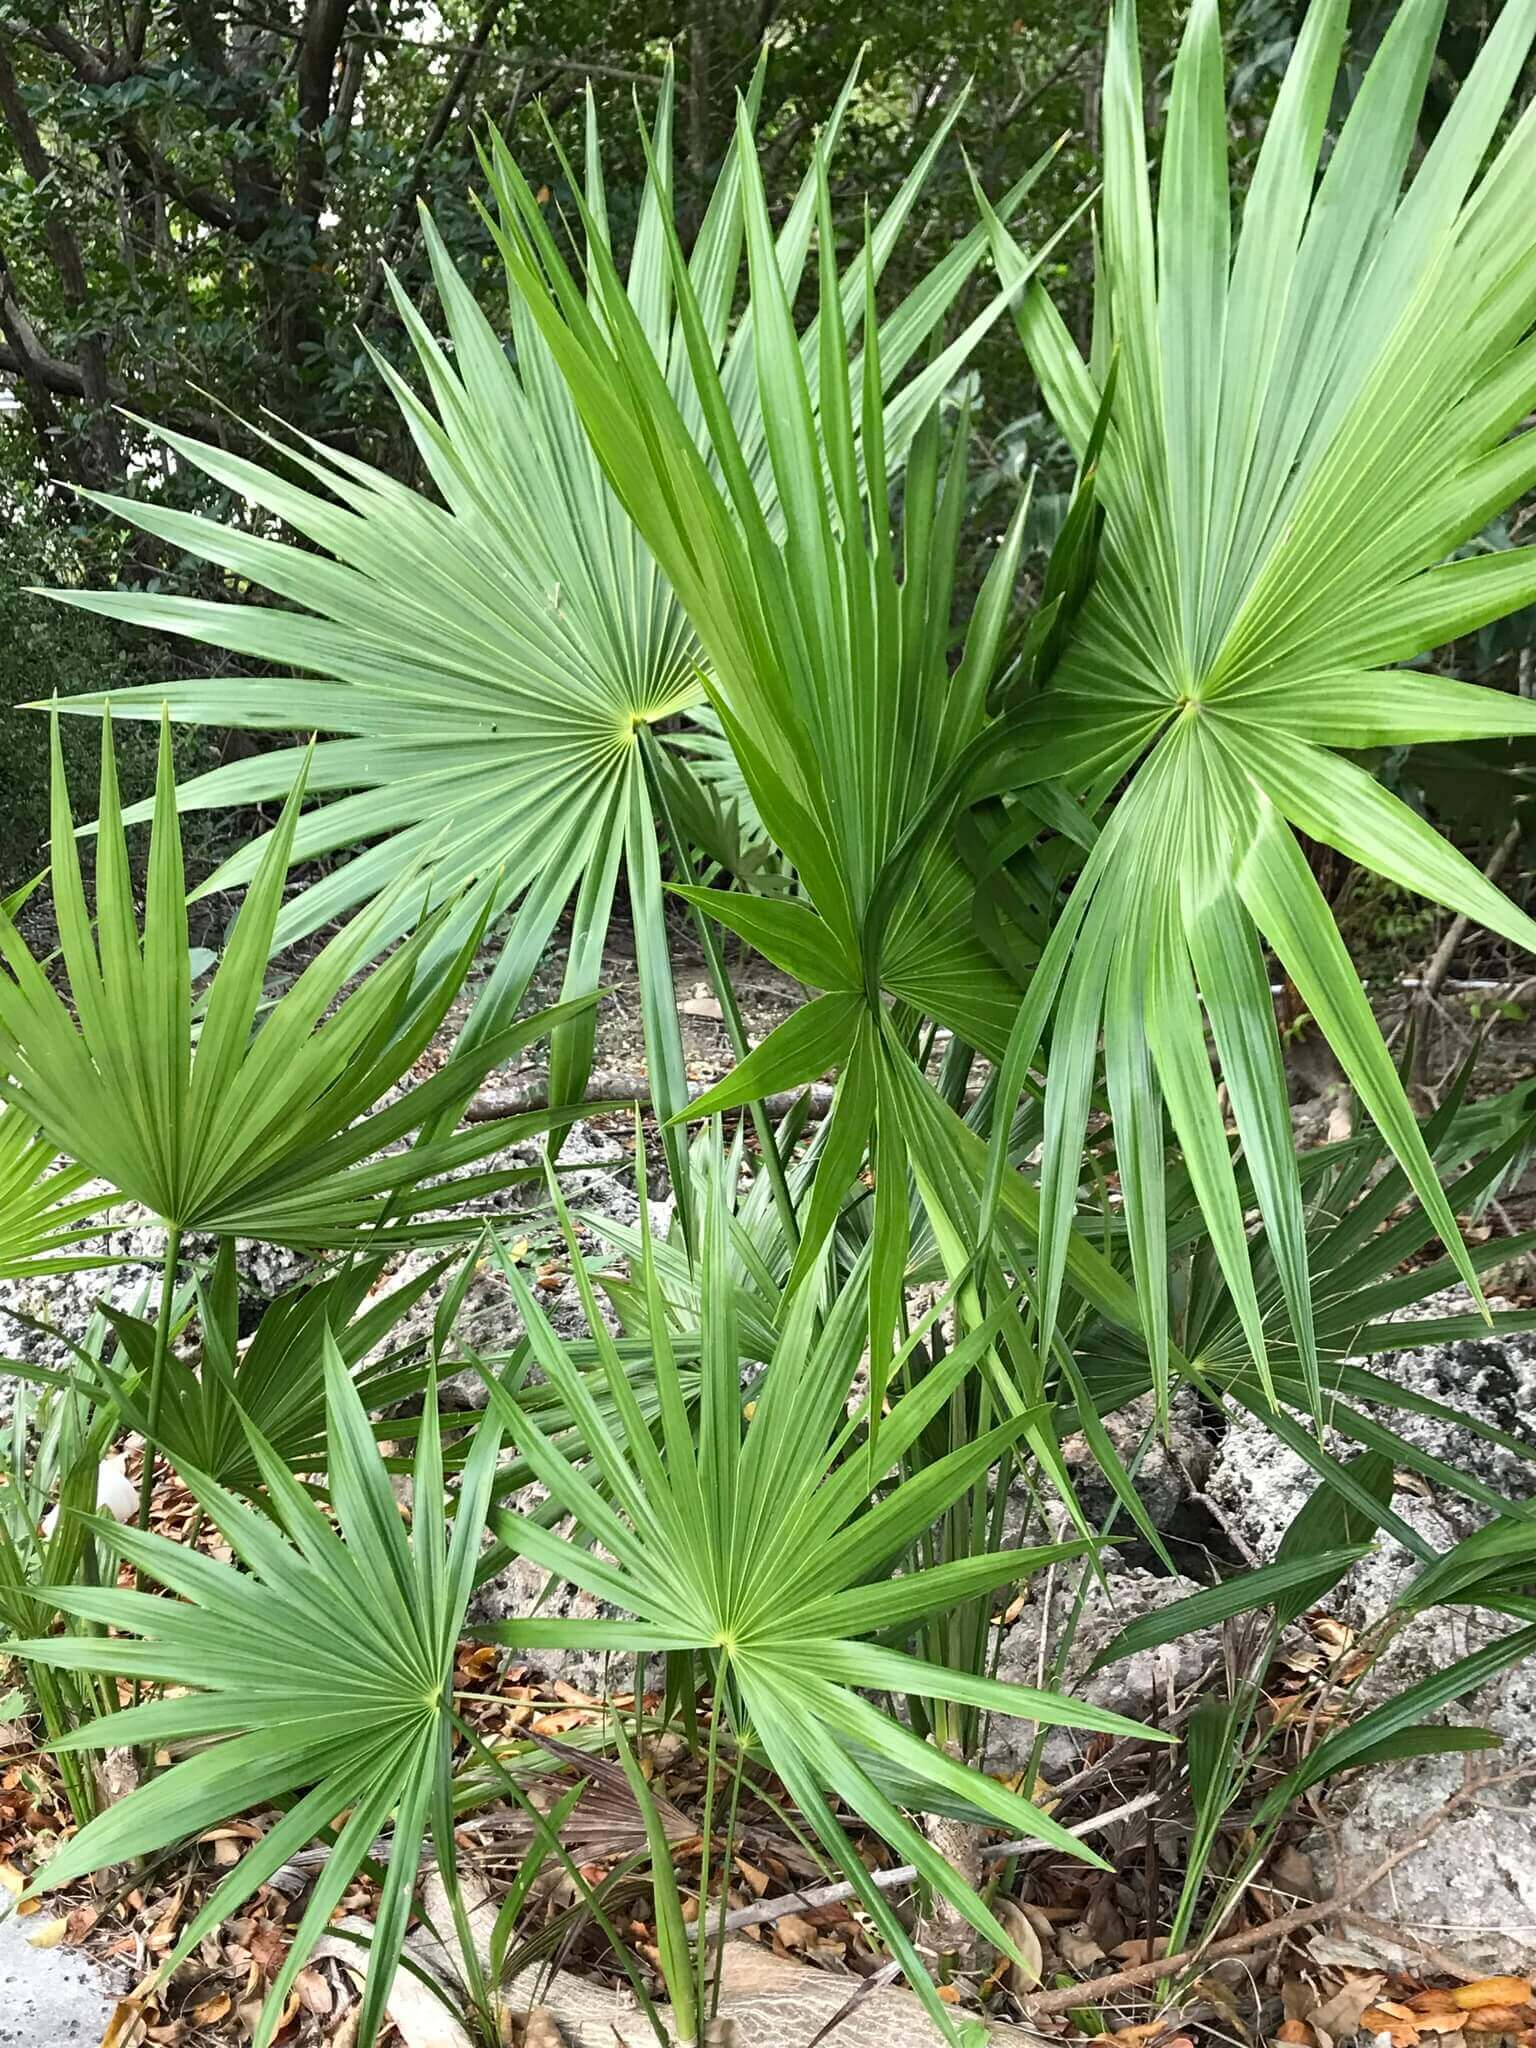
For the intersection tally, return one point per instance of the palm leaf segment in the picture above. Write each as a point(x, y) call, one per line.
point(320, 1670)
point(259, 1130)
point(487, 658)
point(752, 1544)
point(1306, 426)
point(273, 1380)
point(43, 1216)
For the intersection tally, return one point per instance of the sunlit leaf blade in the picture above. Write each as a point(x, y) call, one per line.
point(480, 655)
point(268, 1127)
point(45, 1221)
point(751, 1542)
point(1310, 417)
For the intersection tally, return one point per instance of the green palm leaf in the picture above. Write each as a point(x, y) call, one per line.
point(43, 1215)
point(754, 1543)
point(320, 1671)
point(259, 1128)
point(483, 660)
point(272, 1380)
point(1308, 423)
point(827, 658)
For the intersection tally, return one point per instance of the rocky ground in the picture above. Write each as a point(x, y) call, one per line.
point(1471, 1891)
point(49, 1997)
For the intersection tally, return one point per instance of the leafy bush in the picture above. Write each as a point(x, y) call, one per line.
point(1054, 835)
point(47, 652)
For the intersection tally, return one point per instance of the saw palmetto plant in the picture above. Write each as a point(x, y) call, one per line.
point(259, 1123)
point(251, 1668)
point(1313, 412)
point(483, 660)
point(272, 1379)
point(245, 1129)
point(746, 1541)
point(678, 595)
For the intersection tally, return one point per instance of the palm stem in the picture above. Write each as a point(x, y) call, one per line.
point(59, 1721)
point(157, 1369)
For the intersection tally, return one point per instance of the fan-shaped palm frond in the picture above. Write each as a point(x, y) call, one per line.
point(1309, 422)
point(750, 1539)
point(827, 660)
point(1368, 1241)
point(483, 660)
point(321, 1667)
point(266, 1129)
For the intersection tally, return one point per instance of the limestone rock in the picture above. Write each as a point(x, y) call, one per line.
point(1472, 1889)
point(1137, 1686)
point(49, 1997)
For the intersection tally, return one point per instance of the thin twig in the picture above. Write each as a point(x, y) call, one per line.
point(1438, 1959)
point(1438, 966)
point(905, 1873)
point(1097, 1990)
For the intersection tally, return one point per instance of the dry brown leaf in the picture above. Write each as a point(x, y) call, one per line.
point(163, 1934)
point(1339, 2015)
point(1434, 1998)
point(1296, 2032)
point(1078, 1949)
point(127, 2027)
point(1137, 1951)
point(1395, 2022)
point(1492, 1991)
point(48, 1933)
point(1020, 1931)
point(212, 2009)
point(1499, 2019)
point(81, 1920)
point(1040, 1919)
point(795, 1931)
point(314, 1992)
point(11, 1880)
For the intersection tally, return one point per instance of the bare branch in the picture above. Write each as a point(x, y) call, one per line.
point(437, 127)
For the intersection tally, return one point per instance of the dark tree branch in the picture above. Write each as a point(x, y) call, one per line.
point(21, 354)
point(24, 355)
point(437, 127)
point(64, 249)
point(162, 176)
point(319, 46)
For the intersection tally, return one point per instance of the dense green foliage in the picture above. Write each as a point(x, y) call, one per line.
point(1031, 829)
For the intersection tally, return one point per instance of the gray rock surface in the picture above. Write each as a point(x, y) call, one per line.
point(49, 1997)
point(1472, 1889)
point(1169, 1467)
point(519, 1591)
point(63, 1303)
point(1138, 1686)
point(599, 1179)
